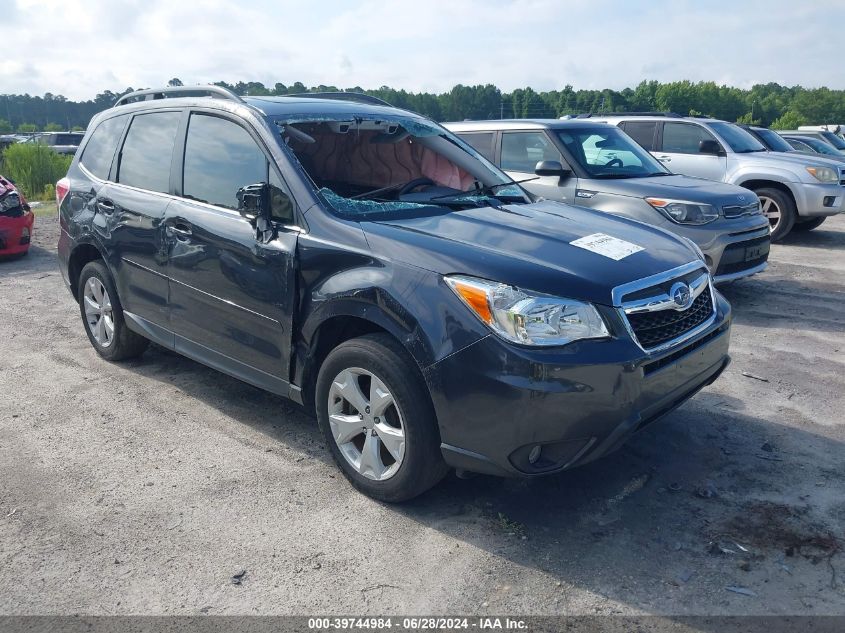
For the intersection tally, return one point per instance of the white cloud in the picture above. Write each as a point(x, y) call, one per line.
point(81, 47)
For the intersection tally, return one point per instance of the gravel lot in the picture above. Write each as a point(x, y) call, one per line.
point(144, 487)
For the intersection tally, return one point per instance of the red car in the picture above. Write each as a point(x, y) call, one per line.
point(16, 220)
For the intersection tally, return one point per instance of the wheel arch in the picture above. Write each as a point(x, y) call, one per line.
point(343, 321)
point(82, 254)
point(760, 183)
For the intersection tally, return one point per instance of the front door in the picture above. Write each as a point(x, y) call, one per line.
point(520, 153)
point(231, 294)
point(679, 151)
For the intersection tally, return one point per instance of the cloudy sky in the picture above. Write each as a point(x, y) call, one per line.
point(81, 47)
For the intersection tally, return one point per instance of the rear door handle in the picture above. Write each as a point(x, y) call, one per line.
point(104, 205)
point(664, 159)
point(180, 230)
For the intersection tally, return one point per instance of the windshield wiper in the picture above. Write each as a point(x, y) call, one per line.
point(488, 189)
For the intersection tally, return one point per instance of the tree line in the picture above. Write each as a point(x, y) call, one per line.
point(772, 105)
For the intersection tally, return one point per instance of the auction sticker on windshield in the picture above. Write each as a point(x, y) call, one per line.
point(607, 245)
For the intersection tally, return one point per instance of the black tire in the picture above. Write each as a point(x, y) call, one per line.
point(809, 225)
point(422, 466)
point(124, 342)
point(784, 205)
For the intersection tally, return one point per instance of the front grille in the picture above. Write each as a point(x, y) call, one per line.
point(737, 211)
point(734, 256)
point(653, 329)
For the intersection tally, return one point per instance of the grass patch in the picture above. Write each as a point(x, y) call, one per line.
point(35, 168)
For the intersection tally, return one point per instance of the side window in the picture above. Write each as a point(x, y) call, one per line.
point(281, 206)
point(481, 141)
point(99, 151)
point(683, 138)
point(147, 151)
point(641, 131)
point(521, 151)
point(220, 158)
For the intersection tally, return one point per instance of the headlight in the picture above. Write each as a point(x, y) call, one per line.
point(684, 212)
point(823, 174)
point(528, 318)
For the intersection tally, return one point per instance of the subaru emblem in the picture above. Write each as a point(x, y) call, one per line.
point(681, 295)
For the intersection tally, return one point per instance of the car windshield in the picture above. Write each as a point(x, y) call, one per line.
point(774, 140)
point(834, 140)
point(738, 139)
point(607, 152)
point(364, 165)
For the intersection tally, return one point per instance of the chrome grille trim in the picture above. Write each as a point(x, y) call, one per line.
point(655, 303)
point(738, 211)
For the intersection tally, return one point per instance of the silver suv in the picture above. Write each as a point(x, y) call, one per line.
point(597, 165)
point(792, 189)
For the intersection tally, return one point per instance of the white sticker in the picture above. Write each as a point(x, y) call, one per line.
point(607, 245)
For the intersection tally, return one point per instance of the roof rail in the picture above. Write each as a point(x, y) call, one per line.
point(177, 91)
point(342, 96)
point(673, 115)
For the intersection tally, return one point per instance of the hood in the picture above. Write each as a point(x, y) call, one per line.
point(677, 187)
point(814, 155)
point(788, 158)
point(530, 246)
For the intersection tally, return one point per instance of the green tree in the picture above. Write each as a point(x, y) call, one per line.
point(27, 128)
point(53, 127)
point(5, 126)
point(789, 121)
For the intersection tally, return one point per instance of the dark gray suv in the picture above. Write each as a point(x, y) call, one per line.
point(366, 263)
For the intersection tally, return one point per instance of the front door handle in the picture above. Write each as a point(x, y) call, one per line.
point(180, 231)
point(106, 206)
point(664, 159)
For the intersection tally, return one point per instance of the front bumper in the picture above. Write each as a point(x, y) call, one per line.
point(819, 200)
point(739, 251)
point(496, 402)
point(15, 234)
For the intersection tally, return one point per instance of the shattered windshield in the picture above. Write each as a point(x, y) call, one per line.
point(376, 164)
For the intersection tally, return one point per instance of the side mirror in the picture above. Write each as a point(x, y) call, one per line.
point(710, 146)
point(551, 168)
point(254, 205)
point(254, 201)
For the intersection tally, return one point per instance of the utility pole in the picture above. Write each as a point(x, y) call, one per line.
point(501, 108)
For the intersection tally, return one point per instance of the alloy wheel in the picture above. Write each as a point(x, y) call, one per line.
point(772, 211)
point(366, 423)
point(98, 312)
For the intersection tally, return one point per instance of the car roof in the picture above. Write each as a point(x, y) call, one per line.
point(523, 124)
point(283, 106)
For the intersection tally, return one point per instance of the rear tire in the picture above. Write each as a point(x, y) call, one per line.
point(780, 209)
point(809, 225)
point(102, 315)
point(390, 450)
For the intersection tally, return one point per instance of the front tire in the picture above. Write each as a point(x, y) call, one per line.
point(779, 208)
point(102, 315)
point(809, 225)
point(375, 413)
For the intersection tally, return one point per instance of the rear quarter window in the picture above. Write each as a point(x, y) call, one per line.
point(99, 151)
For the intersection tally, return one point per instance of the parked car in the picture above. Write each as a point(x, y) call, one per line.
point(836, 141)
point(368, 264)
point(792, 189)
point(836, 128)
point(599, 166)
point(59, 142)
point(16, 220)
point(813, 145)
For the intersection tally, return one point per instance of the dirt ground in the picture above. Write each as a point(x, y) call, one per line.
point(147, 487)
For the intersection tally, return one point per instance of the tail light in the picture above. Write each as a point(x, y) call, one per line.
point(62, 189)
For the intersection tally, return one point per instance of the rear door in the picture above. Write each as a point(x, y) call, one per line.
point(678, 149)
point(231, 295)
point(131, 210)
